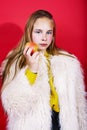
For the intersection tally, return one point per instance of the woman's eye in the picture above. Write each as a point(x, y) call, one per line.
point(37, 31)
point(49, 32)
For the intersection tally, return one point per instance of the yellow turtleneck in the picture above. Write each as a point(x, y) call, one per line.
point(54, 103)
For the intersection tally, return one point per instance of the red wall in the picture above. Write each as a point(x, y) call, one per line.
point(70, 17)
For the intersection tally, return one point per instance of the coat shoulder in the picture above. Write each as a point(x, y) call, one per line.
point(66, 58)
point(66, 62)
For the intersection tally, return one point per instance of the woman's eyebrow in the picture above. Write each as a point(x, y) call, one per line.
point(50, 30)
point(42, 30)
point(37, 29)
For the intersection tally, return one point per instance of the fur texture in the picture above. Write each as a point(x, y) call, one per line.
point(28, 106)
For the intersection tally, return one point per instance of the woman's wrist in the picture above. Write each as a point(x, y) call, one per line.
point(33, 68)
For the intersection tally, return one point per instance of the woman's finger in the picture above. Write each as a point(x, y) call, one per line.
point(27, 51)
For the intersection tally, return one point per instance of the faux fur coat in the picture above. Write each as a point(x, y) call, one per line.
point(28, 106)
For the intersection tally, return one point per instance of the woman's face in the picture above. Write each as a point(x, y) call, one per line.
point(42, 33)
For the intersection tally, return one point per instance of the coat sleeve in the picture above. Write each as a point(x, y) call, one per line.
point(18, 98)
point(81, 96)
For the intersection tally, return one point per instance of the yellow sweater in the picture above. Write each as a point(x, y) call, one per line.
point(54, 103)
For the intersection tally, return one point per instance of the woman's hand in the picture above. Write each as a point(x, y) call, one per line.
point(32, 59)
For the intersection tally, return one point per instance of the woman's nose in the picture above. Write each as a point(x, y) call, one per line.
point(44, 37)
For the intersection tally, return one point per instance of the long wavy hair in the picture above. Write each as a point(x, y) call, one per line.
point(16, 54)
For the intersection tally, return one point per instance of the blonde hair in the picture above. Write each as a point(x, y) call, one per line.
point(17, 53)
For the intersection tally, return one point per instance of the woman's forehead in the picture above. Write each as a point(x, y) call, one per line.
point(43, 23)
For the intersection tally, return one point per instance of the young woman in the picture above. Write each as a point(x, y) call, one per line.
point(44, 90)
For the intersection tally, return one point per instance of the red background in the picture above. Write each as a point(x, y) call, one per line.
point(70, 17)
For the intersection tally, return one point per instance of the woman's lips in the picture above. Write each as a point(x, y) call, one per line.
point(43, 44)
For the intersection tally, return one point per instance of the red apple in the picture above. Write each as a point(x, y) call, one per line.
point(32, 45)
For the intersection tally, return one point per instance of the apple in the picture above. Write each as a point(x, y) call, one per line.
point(32, 45)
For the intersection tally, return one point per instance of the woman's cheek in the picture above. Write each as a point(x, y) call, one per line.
point(34, 38)
point(50, 39)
